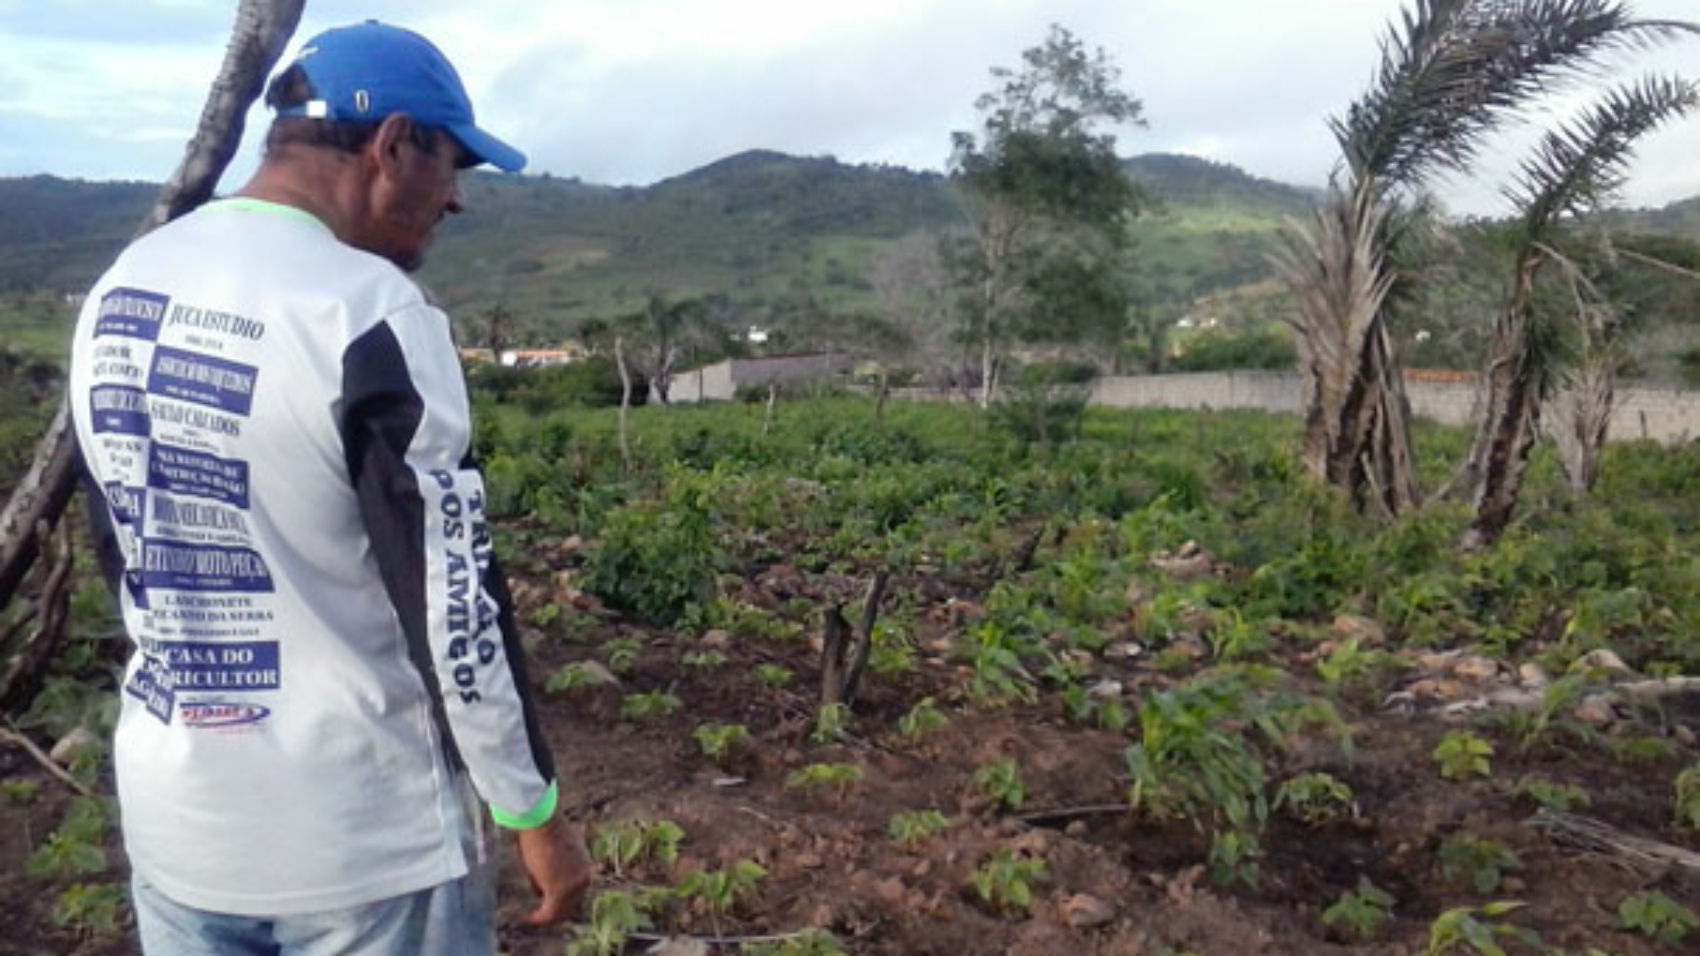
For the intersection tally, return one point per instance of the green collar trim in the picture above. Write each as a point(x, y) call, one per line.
point(250, 204)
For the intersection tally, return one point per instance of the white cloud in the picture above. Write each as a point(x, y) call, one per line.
point(630, 91)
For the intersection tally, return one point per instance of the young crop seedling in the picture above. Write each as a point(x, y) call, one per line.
point(1001, 780)
point(1363, 911)
point(1005, 882)
point(830, 724)
point(909, 828)
point(76, 848)
point(1657, 916)
point(1480, 863)
point(1553, 796)
point(773, 675)
point(1462, 755)
point(1314, 798)
point(922, 719)
point(837, 777)
point(1642, 750)
point(614, 916)
point(21, 792)
point(720, 891)
point(1479, 928)
point(93, 910)
point(571, 677)
point(653, 705)
point(702, 660)
point(1688, 798)
point(623, 843)
point(720, 742)
point(622, 653)
point(811, 942)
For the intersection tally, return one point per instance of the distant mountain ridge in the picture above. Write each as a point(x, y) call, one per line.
point(772, 233)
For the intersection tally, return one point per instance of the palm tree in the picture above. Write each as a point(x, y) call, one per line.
point(1575, 168)
point(1450, 71)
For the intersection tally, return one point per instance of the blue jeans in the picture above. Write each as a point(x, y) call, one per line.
point(454, 919)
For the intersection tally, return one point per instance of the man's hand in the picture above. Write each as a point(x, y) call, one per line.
point(559, 866)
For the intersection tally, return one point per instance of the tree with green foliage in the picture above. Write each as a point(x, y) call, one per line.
point(1449, 73)
point(1574, 169)
point(1040, 181)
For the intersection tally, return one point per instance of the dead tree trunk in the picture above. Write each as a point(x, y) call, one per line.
point(261, 31)
point(1516, 382)
point(625, 402)
point(1582, 414)
point(844, 653)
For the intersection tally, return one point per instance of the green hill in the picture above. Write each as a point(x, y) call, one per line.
point(775, 238)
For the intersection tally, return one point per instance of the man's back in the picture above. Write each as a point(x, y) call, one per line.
point(240, 381)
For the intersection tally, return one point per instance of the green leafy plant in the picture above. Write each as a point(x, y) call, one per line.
point(830, 723)
point(1641, 750)
point(1657, 916)
point(922, 719)
point(720, 742)
point(812, 942)
point(773, 675)
point(909, 828)
point(1314, 798)
point(1480, 863)
point(1200, 755)
point(614, 916)
point(837, 777)
point(1463, 755)
point(723, 890)
point(1001, 780)
point(1550, 795)
point(93, 910)
point(76, 848)
point(624, 843)
point(653, 705)
point(22, 792)
point(1351, 664)
point(1005, 881)
point(622, 653)
point(1363, 911)
point(1688, 798)
point(571, 677)
point(702, 660)
point(1479, 928)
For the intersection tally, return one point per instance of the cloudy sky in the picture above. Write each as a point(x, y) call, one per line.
point(632, 91)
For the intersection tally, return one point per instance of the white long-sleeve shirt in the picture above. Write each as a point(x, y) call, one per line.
point(280, 425)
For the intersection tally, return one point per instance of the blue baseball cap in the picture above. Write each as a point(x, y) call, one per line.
point(371, 70)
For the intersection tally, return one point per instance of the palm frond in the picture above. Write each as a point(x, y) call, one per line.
point(1580, 164)
point(1454, 68)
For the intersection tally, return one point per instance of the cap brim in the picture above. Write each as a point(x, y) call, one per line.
point(488, 149)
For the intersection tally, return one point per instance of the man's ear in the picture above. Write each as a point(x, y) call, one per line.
point(383, 150)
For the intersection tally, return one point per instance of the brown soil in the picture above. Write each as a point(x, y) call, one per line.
point(831, 864)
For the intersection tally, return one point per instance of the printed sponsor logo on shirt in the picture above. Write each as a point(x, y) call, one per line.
point(118, 410)
point(131, 313)
point(186, 472)
point(203, 567)
point(203, 380)
point(221, 714)
point(230, 667)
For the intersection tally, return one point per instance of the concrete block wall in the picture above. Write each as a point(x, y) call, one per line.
point(1664, 415)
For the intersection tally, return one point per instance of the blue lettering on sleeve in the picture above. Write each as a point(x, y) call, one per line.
point(118, 409)
point(186, 472)
point(203, 567)
point(202, 379)
point(126, 503)
point(131, 313)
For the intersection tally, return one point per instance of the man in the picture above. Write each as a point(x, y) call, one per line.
point(326, 679)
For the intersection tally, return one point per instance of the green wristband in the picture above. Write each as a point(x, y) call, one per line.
point(533, 818)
